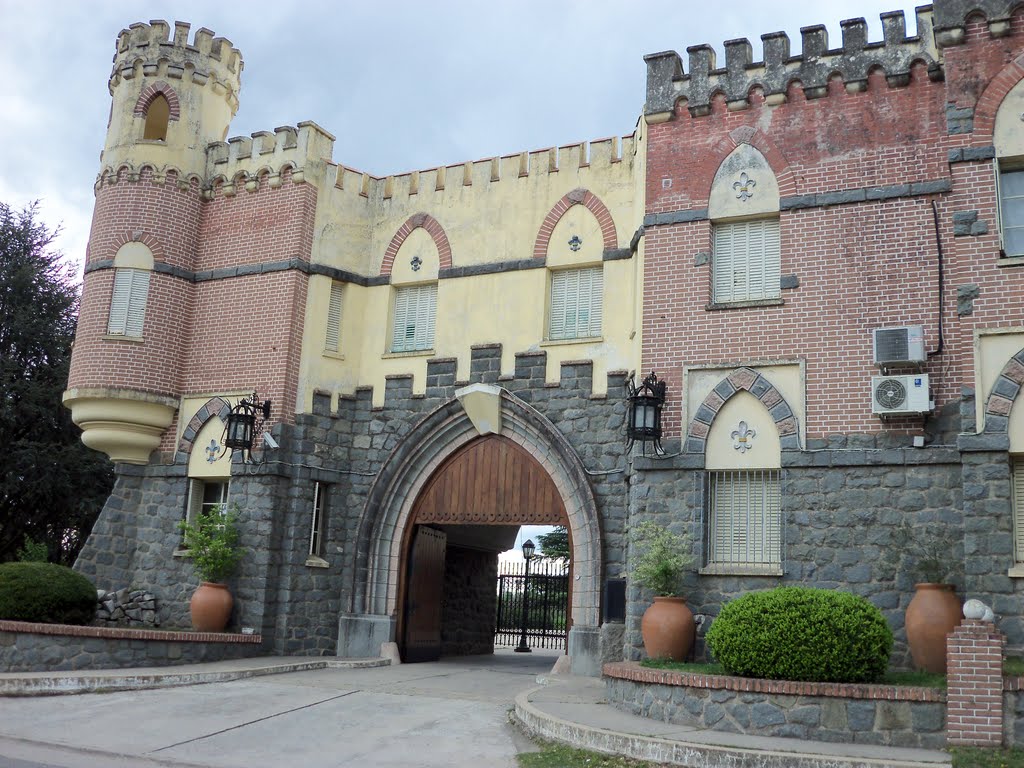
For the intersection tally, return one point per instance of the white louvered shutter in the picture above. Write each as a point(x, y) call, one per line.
point(577, 296)
point(415, 317)
point(746, 261)
point(1018, 509)
point(745, 518)
point(128, 302)
point(332, 342)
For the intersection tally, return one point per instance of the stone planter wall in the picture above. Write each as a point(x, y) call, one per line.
point(859, 714)
point(28, 647)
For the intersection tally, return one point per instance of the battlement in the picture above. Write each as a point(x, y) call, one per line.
point(149, 50)
point(241, 159)
point(600, 154)
point(951, 16)
point(895, 54)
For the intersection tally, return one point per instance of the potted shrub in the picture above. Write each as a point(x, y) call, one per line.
point(212, 544)
point(659, 559)
point(934, 611)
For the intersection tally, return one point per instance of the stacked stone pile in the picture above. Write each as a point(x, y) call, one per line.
point(126, 608)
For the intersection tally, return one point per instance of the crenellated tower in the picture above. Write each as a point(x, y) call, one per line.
point(172, 97)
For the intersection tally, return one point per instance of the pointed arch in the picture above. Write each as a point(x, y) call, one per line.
point(592, 203)
point(433, 228)
point(150, 92)
point(743, 380)
point(215, 406)
point(746, 134)
point(1003, 395)
point(411, 466)
point(992, 98)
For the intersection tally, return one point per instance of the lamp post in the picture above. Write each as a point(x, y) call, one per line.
point(528, 550)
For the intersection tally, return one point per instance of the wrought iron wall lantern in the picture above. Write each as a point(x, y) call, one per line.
point(643, 413)
point(245, 422)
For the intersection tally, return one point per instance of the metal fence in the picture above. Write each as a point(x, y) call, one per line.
point(543, 602)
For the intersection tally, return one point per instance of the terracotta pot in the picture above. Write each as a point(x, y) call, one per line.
point(933, 613)
point(211, 607)
point(667, 628)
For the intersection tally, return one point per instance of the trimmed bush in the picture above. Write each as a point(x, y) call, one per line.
point(45, 592)
point(799, 633)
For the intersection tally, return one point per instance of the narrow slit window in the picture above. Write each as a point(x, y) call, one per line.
point(318, 527)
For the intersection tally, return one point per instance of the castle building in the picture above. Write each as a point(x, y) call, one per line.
point(819, 254)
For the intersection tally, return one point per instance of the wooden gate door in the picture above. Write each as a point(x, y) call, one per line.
point(425, 579)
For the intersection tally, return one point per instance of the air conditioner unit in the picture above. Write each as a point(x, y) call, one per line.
point(895, 395)
point(899, 345)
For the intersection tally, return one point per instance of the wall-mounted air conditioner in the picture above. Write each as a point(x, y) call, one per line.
point(899, 345)
point(895, 395)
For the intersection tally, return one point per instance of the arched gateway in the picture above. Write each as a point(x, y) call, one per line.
point(465, 464)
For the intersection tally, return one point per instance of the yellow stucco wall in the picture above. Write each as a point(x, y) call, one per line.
point(491, 213)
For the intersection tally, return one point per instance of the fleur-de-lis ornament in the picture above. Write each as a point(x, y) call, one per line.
point(744, 187)
point(743, 437)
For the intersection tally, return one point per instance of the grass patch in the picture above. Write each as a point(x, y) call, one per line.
point(562, 756)
point(974, 757)
point(916, 679)
point(1013, 666)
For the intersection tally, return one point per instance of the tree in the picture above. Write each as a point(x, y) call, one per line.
point(555, 545)
point(51, 486)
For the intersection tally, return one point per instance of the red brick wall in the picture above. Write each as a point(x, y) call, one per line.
point(974, 685)
point(860, 265)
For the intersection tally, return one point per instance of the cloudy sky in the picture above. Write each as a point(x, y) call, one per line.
point(403, 85)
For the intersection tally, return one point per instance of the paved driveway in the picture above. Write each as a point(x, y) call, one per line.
point(448, 713)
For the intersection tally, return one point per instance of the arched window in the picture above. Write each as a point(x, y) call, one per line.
point(132, 267)
point(744, 209)
point(158, 113)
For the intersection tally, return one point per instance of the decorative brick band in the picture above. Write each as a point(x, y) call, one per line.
point(974, 703)
point(1003, 395)
point(150, 92)
point(433, 228)
point(589, 201)
point(743, 380)
point(116, 633)
point(631, 670)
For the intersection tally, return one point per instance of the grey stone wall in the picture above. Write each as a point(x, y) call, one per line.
point(26, 652)
point(820, 718)
point(840, 504)
point(470, 602)
point(294, 605)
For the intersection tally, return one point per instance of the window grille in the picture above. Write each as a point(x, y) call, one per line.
point(743, 529)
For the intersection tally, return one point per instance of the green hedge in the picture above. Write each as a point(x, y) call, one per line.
point(799, 633)
point(45, 592)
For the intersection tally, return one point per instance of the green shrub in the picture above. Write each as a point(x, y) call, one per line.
point(45, 592)
point(33, 551)
point(798, 633)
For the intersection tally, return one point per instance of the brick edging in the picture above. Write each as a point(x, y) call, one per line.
point(119, 633)
point(631, 670)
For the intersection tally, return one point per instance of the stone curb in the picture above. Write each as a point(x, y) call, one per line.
point(60, 683)
point(679, 752)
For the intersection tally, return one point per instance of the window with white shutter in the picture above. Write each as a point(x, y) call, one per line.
point(1010, 190)
point(745, 261)
point(128, 302)
point(414, 318)
point(1018, 508)
point(743, 521)
point(333, 340)
point(576, 302)
point(204, 495)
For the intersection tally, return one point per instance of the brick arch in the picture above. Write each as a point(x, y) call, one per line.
point(150, 92)
point(588, 200)
point(743, 380)
point(433, 228)
point(215, 406)
point(992, 98)
point(1003, 395)
point(747, 134)
point(138, 236)
point(407, 472)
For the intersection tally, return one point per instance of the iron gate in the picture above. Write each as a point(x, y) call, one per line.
point(547, 604)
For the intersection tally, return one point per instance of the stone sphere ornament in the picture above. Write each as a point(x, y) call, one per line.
point(975, 609)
